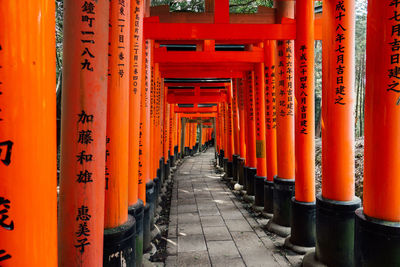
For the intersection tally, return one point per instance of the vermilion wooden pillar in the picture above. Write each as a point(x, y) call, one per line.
point(145, 167)
point(377, 239)
point(171, 134)
point(336, 205)
point(260, 134)
point(135, 204)
point(82, 156)
point(229, 134)
point(270, 123)
point(251, 159)
point(242, 131)
point(235, 128)
point(303, 205)
point(118, 225)
point(28, 196)
point(283, 185)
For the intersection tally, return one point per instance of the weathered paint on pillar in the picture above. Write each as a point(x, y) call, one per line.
point(382, 112)
point(338, 101)
point(83, 137)
point(117, 154)
point(28, 196)
point(251, 160)
point(285, 97)
point(135, 84)
point(305, 121)
point(270, 109)
point(259, 98)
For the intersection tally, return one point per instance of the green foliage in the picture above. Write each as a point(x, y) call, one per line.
point(236, 6)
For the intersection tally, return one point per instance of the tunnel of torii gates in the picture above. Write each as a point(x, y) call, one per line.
point(140, 83)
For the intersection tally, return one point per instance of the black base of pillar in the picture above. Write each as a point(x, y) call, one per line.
point(241, 171)
point(146, 228)
point(221, 158)
point(268, 196)
point(225, 165)
point(377, 242)
point(259, 190)
point(335, 248)
point(119, 245)
point(176, 152)
point(137, 211)
point(251, 173)
point(187, 151)
point(303, 224)
point(167, 170)
point(157, 189)
point(282, 196)
point(172, 160)
point(245, 170)
point(150, 201)
point(235, 160)
point(162, 170)
point(229, 169)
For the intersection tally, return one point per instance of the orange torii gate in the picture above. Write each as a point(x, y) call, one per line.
point(119, 139)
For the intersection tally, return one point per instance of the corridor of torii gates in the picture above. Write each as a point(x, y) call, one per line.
point(144, 89)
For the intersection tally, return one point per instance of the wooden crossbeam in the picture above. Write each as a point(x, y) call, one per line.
point(195, 110)
point(162, 56)
point(178, 99)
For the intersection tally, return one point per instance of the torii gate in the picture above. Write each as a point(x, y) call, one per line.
point(107, 207)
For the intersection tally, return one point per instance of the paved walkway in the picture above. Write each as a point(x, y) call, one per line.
point(210, 227)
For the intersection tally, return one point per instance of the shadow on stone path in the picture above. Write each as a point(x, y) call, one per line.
point(210, 227)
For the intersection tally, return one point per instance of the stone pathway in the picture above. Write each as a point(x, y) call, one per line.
point(210, 227)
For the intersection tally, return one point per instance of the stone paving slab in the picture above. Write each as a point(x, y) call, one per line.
point(209, 226)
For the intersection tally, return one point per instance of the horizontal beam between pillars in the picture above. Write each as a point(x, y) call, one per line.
point(162, 56)
point(173, 99)
point(201, 74)
point(210, 31)
point(199, 115)
point(195, 110)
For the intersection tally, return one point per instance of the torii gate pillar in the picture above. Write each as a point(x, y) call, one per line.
point(377, 233)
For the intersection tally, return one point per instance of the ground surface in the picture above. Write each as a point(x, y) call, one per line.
point(209, 226)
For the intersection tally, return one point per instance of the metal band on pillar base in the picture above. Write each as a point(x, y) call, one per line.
point(268, 199)
point(235, 161)
point(377, 242)
point(282, 203)
point(334, 248)
point(119, 244)
point(250, 176)
point(302, 236)
point(259, 193)
point(137, 211)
